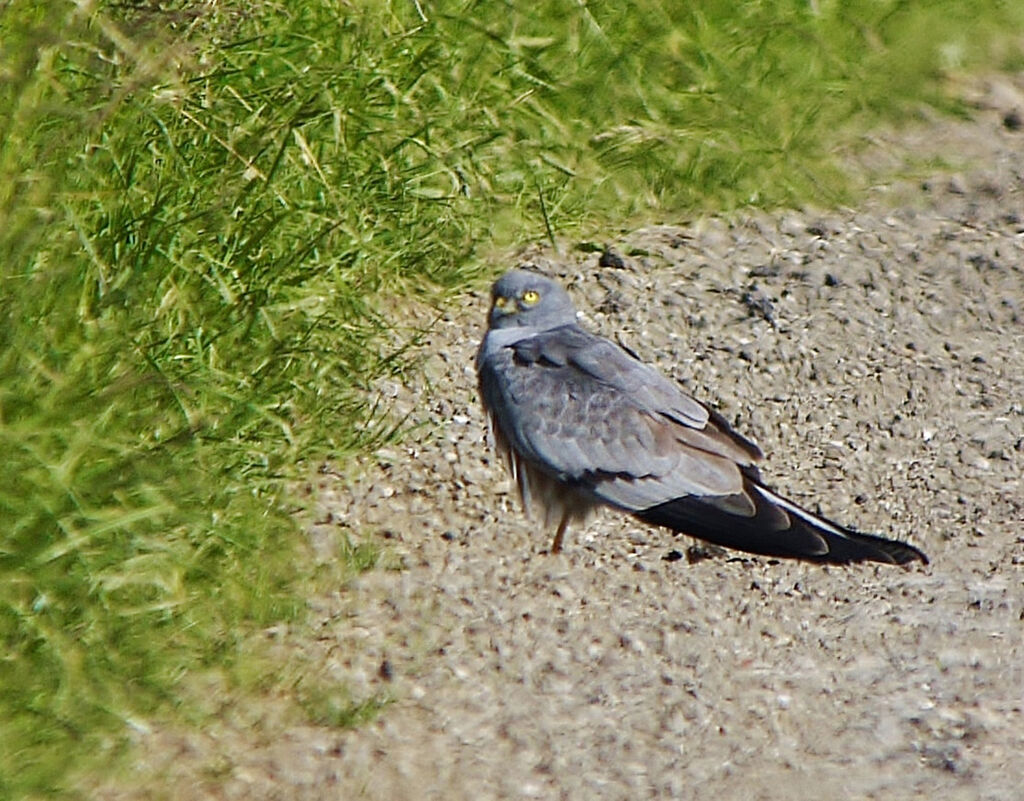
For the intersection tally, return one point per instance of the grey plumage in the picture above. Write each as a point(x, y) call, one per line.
point(581, 423)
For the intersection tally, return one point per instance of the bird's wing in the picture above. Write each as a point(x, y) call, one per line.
point(580, 408)
point(609, 364)
point(584, 412)
point(777, 527)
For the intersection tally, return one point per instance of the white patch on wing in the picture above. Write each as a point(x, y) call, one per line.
point(792, 508)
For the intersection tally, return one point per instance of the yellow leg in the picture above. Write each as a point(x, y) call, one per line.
point(556, 545)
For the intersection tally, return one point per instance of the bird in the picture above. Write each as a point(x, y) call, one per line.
point(582, 423)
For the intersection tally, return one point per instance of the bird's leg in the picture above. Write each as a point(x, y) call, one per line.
point(556, 545)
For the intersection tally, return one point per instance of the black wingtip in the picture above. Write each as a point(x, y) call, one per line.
point(858, 547)
point(802, 535)
point(902, 553)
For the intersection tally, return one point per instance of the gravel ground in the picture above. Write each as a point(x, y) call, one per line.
point(876, 356)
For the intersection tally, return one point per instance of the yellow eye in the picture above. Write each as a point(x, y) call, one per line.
point(530, 297)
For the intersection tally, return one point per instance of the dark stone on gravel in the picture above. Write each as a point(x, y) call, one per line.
point(612, 258)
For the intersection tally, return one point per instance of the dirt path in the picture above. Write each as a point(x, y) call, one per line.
point(877, 356)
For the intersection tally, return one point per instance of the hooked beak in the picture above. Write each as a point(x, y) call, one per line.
point(503, 305)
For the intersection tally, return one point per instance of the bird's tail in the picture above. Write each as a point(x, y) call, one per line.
point(778, 527)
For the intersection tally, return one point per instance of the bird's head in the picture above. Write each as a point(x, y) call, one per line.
point(529, 300)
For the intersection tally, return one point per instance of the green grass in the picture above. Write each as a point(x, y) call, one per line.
point(206, 209)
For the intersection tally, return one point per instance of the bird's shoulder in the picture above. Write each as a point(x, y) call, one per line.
point(555, 347)
point(538, 365)
point(594, 358)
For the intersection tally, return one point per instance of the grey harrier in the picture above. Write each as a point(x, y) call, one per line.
point(581, 423)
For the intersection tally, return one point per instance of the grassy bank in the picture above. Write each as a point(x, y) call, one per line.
point(205, 211)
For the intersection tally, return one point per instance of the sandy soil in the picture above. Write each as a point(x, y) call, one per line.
point(877, 356)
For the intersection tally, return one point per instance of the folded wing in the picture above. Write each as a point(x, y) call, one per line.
point(583, 411)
